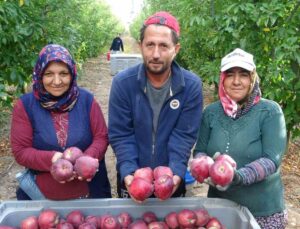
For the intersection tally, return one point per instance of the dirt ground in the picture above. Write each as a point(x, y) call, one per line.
point(96, 77)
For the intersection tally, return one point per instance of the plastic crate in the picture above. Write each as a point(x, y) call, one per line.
point(232, 215)
point(119, 62)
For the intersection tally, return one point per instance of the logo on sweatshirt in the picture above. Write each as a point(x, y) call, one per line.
point(174, 104)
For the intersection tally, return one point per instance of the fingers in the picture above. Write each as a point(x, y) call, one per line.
point(222, 188)
point(217, 154)
point(209, 182)
point(56, 156)
point(135, 200)
point(176, 181)
point(128, 180)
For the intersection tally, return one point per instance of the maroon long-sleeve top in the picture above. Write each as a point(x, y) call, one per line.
point(27, 156)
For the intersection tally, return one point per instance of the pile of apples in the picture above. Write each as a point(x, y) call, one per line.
point(220, 170)
point(147, 182)
point(185, 218)
point(74, 162)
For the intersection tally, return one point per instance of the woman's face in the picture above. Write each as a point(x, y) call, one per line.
point(57, 78)
point(237, 83)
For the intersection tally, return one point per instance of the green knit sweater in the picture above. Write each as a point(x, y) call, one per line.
point(259, 133)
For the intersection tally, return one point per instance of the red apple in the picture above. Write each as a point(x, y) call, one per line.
point(171, 220)
point(124, 219)
point(149, 217)
point(186, 218)
point(202, 217)
point(64, 225)
point(75, 218)
point(221, 173)
point(72, 153)
point(145, 173)
point(200, 154)
point(138, 224)
point(30, 222)
point(162, 170)
point(226, 157)
point(48, 219)
point(214, 223)
point(163, 187)
point(140, 189)
point(91, 219)
point(87, 225)
point(200, 168)
point(86, 167)
point(157, 225)
point(110, 222)
point(62, 170)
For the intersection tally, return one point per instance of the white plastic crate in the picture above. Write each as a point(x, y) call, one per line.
point(121, 61)
point(232, 215)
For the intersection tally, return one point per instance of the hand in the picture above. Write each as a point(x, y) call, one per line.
point(57, 155)
point(200, 154)
point(217, 154)
point(128, 180)
point(219, 187)
point(70, 179)
point(96, 163)
point(176, 181)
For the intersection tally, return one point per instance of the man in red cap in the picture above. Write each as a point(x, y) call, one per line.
point(155, 107)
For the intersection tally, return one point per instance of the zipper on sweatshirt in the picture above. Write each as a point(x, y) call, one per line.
point(153, 137)
point(153, 147)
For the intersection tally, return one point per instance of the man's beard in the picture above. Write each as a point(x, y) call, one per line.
point(157, 71)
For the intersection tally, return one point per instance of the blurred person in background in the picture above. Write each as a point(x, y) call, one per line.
point(117, 44)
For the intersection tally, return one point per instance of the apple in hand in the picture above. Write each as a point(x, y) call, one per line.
point(86, 167)
point(162, 170)
point(62, 170)
point(72, 153)
point(140, 189)
point(145, 173)
point(221, 173)
point(226, 157)
point(200, 166)
point(163, 187)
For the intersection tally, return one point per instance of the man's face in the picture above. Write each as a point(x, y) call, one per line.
point(157, 49)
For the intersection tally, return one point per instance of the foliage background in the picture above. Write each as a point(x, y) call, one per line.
point(85, 27)
point(209, 30)
point(268, 29)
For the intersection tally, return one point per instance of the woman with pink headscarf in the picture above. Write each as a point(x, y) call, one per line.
point(252, 131)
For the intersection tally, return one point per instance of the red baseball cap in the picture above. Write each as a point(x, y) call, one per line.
point(164, 18)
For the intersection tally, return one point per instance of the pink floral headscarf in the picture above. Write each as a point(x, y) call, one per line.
point(56, 53)
point(232, 108)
